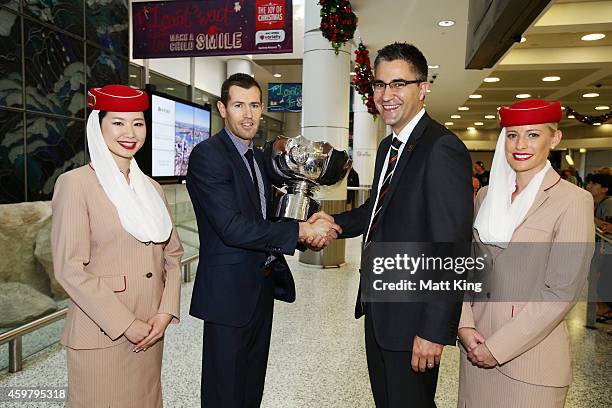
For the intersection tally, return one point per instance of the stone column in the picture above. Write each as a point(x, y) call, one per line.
point(365, 141)
point(325, 115)
point(238, 65)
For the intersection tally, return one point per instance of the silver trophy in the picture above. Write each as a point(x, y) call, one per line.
point(298, 167)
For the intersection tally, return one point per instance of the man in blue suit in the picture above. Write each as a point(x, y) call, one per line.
point(241, 268)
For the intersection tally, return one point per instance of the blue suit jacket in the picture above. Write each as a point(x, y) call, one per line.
point(235, 240)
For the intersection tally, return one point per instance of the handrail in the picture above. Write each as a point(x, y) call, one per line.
point(14, 336)
point(33, 325)
point(604, 237)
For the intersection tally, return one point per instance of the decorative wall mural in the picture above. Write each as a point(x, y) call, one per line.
point(10, 61)
point(43, 135)
point(55, 77)
point(64, 14)
point(107, 24)
point(12, 186)
point(105, 68)
point(54, 146)
point(12, 4)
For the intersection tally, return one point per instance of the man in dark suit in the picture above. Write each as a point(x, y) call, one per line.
point(241, 267)
point(422, 192)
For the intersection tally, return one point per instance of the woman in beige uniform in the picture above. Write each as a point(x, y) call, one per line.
point(117, 254)
point(536, 231)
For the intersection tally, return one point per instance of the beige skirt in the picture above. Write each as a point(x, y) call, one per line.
point(115, 377)
point(487, 388)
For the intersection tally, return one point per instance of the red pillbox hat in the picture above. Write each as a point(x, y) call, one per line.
point(530, 112)
point(117, 98)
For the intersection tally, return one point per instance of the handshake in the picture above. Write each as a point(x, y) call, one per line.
point(319, 231)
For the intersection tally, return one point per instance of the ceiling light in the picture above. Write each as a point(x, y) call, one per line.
point(571, 117)
point(132, 75)
point(582, 150)
point(475, 96)
point(449, 123)
point(602, 107)
point(523, 96)
point(592, 37)
point(463, 108)
point(433, 66)
point(597, 124)
point(478, 123)
point(569, 160)
point(523, 39)
point(455, 116)
point(490, 116)
point(590, 95)
point(471, 128)
point(551, 78)
point(446, 23)
point(169, 88)
point(277, 75)
point(491, 79)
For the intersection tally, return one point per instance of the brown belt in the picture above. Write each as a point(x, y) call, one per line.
point(267, 271)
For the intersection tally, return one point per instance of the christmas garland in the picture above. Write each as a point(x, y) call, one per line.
point(364, 77)
point(589, 120)
point(338, 22)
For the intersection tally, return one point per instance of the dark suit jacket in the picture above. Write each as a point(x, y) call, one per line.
point(430, 199)
point(235, 240)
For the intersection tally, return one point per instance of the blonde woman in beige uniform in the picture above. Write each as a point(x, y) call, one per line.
point(117, 254)
point(537, 230)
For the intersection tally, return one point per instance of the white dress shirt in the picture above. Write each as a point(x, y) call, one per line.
point(404, 135)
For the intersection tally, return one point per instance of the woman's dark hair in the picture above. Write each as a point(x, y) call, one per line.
point(604, 180)
point(101, 115)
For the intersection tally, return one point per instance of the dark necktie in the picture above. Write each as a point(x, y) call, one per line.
point(249, 157)
point(384, 188)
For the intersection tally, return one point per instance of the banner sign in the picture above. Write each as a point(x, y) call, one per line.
point(284, 97)
point(190, 28)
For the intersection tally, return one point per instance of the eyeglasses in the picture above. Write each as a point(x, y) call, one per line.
point(396, 85)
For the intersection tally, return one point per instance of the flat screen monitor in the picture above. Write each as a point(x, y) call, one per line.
point(175, 127)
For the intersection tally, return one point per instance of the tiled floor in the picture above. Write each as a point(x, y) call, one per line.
point(317, 354)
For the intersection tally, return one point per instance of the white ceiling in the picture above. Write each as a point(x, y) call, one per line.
point(553, 47)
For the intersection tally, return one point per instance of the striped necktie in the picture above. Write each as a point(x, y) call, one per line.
point(384, 188)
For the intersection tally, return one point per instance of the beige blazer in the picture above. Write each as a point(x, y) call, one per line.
point(529, 338)
point(111, 277)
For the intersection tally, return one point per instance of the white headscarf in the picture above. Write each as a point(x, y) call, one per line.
point(498, 216)
point(142, 211)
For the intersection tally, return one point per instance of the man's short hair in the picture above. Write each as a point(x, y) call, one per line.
point(405, 52)
point(242, 80)
point(604, 180)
